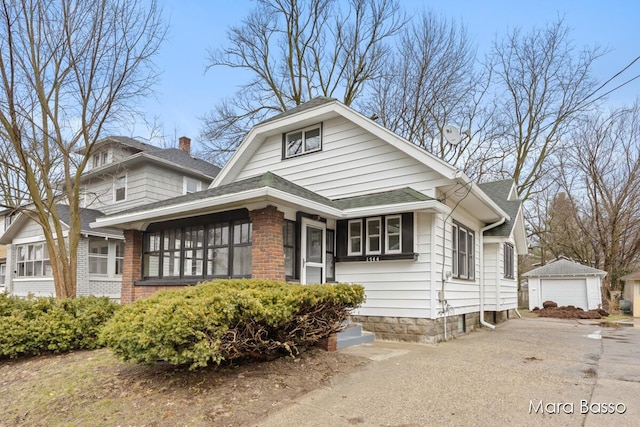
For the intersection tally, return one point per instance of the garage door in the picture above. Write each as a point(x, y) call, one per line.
point(565, 291)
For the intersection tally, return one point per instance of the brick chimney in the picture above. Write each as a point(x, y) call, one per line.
point(184, 144)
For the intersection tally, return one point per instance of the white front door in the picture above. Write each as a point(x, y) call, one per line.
point(313, 252)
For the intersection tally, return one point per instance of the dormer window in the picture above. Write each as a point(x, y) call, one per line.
point(302, 141)
point(100, 159)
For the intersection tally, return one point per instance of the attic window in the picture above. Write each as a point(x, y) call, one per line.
point(302, 141)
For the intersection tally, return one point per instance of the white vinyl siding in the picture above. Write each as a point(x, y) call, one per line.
point(352, 162)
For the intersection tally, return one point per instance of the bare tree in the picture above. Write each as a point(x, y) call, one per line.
point(69, 69)
point(295, 51)
point(602, 178)
point(432, 81)
point(542, 85)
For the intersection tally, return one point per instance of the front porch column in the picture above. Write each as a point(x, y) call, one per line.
point(132, 266)
point(267, 250)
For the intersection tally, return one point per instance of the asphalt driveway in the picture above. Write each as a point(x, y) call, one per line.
point(528, 372)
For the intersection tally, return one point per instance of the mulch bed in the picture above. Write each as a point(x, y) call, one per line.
point(551, 309)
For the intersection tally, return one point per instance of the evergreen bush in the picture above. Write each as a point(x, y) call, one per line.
point(229, 319)
point(33, 326)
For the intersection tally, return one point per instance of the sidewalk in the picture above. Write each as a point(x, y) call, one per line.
point(485, 378)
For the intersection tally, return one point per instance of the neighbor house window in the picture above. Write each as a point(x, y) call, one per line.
point(509, 261)
point(289, 243)
point(106, 257)
point(355, 237)
point(99, 159)
point(393, 234)
point(190, 185)
point(374, 236)
point(33, 260)
point(120, 188)
point(463, 251)
point(303, 141)
point(210, 250)
point(3, 273)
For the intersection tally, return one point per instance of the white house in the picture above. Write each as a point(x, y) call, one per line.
point(122, 173)
point(321, 193)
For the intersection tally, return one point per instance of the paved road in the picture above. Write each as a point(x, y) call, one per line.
point(528, 372)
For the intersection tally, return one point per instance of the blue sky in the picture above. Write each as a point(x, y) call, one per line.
point(185, 92)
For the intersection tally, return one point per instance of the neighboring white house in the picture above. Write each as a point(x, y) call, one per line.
point(122, 173)
point(565, 282)
point(321, 193)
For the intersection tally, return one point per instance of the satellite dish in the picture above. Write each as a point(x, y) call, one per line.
point(452, 135)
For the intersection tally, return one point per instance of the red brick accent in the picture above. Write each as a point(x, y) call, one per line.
point(132, 267)
point(267, 252)
point(329, 344)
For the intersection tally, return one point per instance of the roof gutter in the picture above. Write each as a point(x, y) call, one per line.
point(482, 230)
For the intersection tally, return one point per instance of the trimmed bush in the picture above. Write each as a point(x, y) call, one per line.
point(34, 326)
point(229, 319)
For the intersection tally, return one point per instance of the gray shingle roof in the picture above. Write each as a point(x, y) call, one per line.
point(184, 160)
point(315, 102)
point(268, 179)
point(498, 191)
point(87, 216)
point(564, 267)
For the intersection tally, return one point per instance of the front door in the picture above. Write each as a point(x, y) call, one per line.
point(313, 240)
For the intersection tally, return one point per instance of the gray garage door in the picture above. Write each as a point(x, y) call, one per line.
point(565, 291)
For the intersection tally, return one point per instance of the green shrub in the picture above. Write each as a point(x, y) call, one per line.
point(34, 326)
point(229, 319)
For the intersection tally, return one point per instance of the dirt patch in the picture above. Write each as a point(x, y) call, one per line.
point(94, 388)
point(551, 309)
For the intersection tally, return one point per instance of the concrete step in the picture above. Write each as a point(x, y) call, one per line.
point(354, 335)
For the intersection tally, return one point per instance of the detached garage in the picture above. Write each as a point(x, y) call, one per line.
point(565, 282)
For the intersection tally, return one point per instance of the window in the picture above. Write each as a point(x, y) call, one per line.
point(355, 237)
point(509, 261)
point(33, 260)
point(98, 256)
point(289, 243)
point(220, 249)
point(99, 159)
point(373, 239)
point(3, 273)
point(120, 188)
point(374, 236)
point(190, 185)
point(106, 257)
point(393, 234)
point(302, 141)
point(463, 252)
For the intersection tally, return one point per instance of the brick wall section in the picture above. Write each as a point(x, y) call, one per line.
point(267, 252)
point(132, 267)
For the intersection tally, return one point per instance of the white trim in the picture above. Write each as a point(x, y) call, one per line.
point(20, 279)
point(386, 234)
point(33, 239)
point(349, 250)
point(208, 204)
point(368, 249)
point(303, 250)
point(115, 189)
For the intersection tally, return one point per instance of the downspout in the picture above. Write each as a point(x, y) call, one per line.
point(482, 230)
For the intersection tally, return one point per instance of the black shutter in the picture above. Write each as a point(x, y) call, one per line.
point(407, 233)
point(341, 238)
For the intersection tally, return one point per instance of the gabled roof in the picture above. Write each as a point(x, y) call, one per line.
point(499, 192)
point(270, 187)
point(323, 109)
point(564, 267)
point(87, 216)
point(172, 157)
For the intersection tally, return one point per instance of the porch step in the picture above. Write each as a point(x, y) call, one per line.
point(354, 335)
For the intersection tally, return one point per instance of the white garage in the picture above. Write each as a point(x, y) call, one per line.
point(565, 282)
